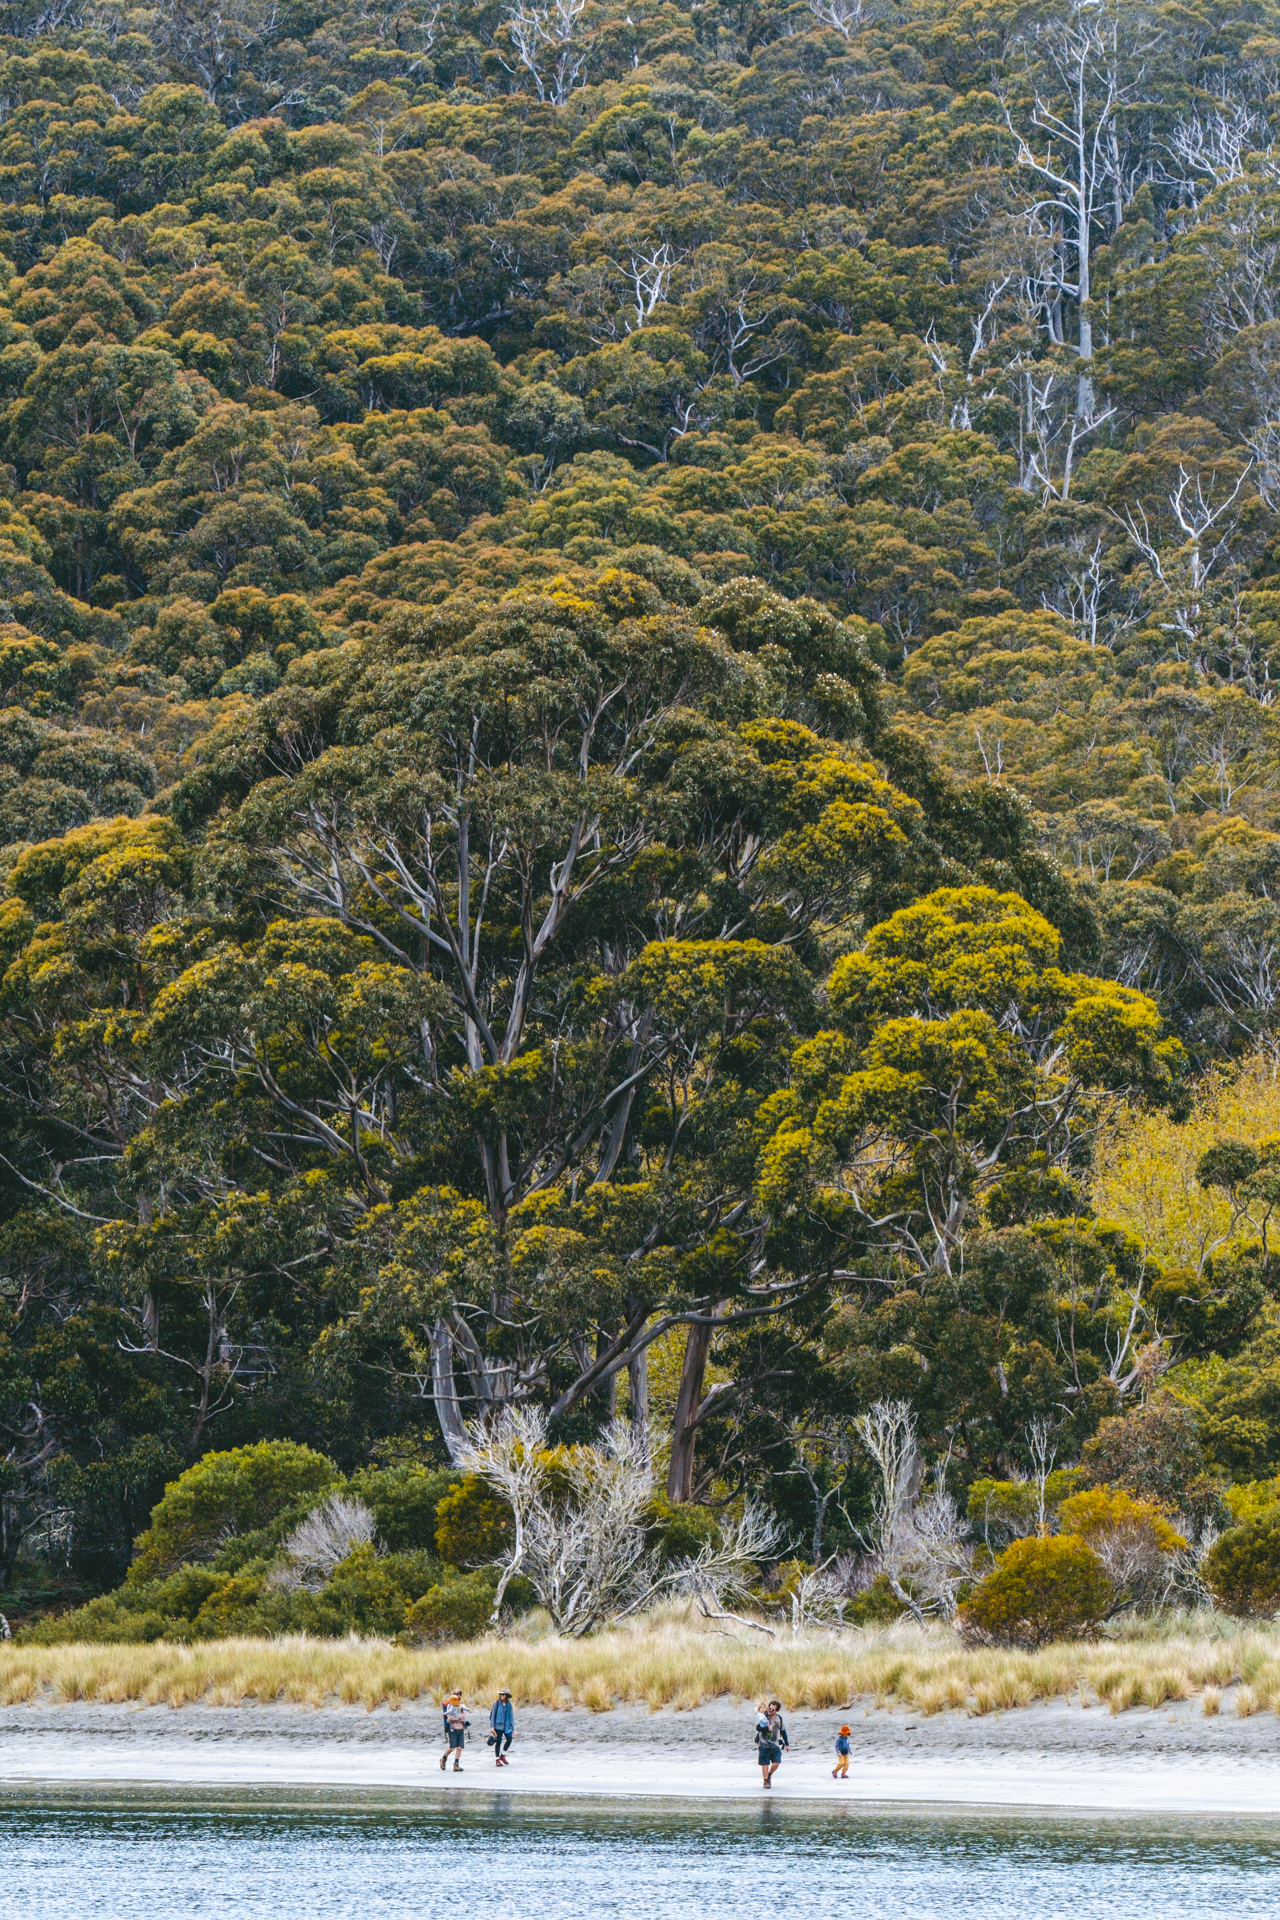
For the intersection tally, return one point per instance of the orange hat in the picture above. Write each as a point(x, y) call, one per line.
point(846, 1729)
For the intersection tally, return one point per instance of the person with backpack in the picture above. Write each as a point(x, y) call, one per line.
point(502, 1726)
point(771, 1738)
point(456, 1721)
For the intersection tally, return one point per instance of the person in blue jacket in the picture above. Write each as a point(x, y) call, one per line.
point(502, 1721)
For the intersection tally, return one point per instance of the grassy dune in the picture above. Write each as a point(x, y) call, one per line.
point(665, 1665)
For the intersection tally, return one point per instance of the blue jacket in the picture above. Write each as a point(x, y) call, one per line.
point(502, 1717)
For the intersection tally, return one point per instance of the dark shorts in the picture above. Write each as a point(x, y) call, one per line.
point(769, 1754)
point(458, 1738)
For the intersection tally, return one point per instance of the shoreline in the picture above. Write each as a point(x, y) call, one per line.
point(1051, 1756)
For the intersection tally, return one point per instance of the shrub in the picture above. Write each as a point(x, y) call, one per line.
point(1242, 1568)
point(1039, 1590)
point(1132, 1538)
point(679, 1533)
point(458, 1609)
point(227, 1493)
point(1251, 1499)
point(404, 1501)
point(231, 1608)
point(875, 1605)
point(473, 1526)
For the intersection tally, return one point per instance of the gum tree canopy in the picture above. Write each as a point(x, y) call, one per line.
point(500, 967)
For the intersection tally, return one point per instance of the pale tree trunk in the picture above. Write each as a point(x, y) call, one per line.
point(638, 1385)
point(684, 1433)
point(608, 1388)
point(444, 1392)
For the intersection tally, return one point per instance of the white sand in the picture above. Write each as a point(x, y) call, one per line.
point(1058, 1755)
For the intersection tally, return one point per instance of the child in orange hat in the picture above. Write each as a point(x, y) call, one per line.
point(841, 1766)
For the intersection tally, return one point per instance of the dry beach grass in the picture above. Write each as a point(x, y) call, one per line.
point(670, 1664)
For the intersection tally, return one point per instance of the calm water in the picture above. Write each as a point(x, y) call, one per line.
point(315, 1856)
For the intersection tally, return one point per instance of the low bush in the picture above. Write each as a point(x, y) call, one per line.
point(1242, 1568)
point(1133, 1539)
point(459, 1608)
point(1039, 1590)
point(226, 1494)
point(875, 1605)
point(405, 1502)
point(473, 1525)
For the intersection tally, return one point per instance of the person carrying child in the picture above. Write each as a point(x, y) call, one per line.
point(456, 1719)
point(841, 1766)
point(771, 1738)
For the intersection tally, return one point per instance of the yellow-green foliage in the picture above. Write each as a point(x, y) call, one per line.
point(1251, 1499)
point(472, 1524)
point(1104, 1513)
point(1013, 1506)
point(1039, 1590)
point(1145, 1167)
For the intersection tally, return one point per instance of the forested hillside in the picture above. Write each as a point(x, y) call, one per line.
point(638, 768)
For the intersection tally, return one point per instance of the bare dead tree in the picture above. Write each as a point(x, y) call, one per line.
point(888, 1432)
point(1043, 1454)
point(847, 16)
point(579, 1529)
point(579, 1533)
point(329, 1533)
point(548, 44)
point(1090, 68)
point(1209, 149)
point(921, 1541)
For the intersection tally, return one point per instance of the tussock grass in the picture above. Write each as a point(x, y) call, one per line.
point(665, 1664)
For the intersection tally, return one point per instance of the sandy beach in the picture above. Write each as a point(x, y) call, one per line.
point(1056, 1755)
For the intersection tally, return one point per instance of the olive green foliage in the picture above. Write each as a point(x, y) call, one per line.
point(876, 1605)
point(458, 1608)
point(1242, 1568)
point(1040, 1589)
point(1155, 1453)
point(236, 1493)
point(226, 1524)
point(405, 1502)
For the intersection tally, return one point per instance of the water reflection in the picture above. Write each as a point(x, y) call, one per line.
point(301, 1855)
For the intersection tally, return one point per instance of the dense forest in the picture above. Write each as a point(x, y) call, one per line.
point(639, 772)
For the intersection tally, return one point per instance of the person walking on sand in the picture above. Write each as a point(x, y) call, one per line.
point(771, 1738)
point(502, 1725)
point(456, 1719)
point(841, 1766)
